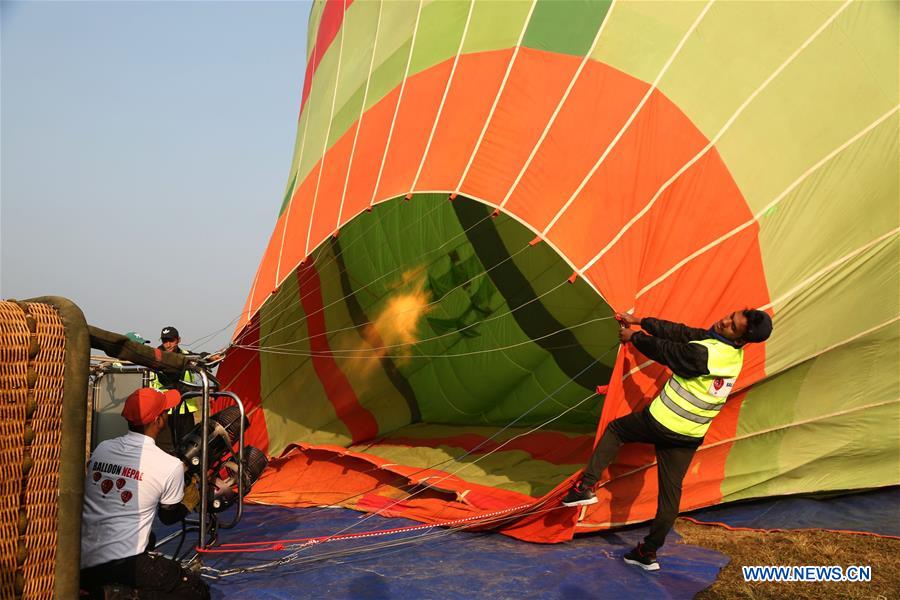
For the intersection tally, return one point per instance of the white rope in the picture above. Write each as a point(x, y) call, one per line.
point(487, 121)
point(829, 268)
point(437, 117)
point(559, 106)
point(296, 181)
point(630, 119)
point(715, 139)
point(373, 353)
point(337, 79)
point(777, 200)
point(387, 145)
point(362, 112)
point(422, 308)
point(374, 281)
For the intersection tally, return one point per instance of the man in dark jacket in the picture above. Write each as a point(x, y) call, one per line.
point(705, 364)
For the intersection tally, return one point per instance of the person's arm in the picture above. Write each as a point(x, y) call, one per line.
point(672, 331)
point(175, 500)
point(684, 359)
point(170, 514)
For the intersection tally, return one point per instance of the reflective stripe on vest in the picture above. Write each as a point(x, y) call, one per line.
point(190, 404)
point(688, 405)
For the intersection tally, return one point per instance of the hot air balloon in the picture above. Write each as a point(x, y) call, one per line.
point(478, 186)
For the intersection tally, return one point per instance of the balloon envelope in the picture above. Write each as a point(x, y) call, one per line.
point(412, 329)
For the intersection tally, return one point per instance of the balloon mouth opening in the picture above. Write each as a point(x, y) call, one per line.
point(435, 337)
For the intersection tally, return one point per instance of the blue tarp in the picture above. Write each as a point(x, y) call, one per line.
point(442, 564)
point(876, 511)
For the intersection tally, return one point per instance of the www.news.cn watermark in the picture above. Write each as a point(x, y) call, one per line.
point(781, 573)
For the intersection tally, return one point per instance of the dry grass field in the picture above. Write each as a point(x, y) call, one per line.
point(807, 547)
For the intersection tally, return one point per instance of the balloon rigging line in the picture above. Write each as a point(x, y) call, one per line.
point(490, 115)
point(759, 214)
point(294, 558)
point(390, 136)
point(492, 519)
point(437, 466)
point(210, 336)
point(607, 17)
point(287, 298)
point(355, 353)
point(754, 434)
point(458, 459)
point(440, 110)
point(280, 562)
point(472, 521)
point(359, 121)
point(312, 213)
point(414, 309)
point(713, 141)
point(472, 450)
point(629, 121)
point(480, 520)
point(498, 432)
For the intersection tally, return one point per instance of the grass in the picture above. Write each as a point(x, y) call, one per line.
point(809, 547)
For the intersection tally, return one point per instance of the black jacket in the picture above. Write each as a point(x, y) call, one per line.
point(668, 344)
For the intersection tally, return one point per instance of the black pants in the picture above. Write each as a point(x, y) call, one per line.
point(673, 457)
point(153, 576)
point(179, 424)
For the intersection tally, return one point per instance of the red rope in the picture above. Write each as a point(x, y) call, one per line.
point(275, 545)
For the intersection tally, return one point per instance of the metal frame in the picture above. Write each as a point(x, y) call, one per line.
point(97, 374)
point(206, 394)
point(208, 522)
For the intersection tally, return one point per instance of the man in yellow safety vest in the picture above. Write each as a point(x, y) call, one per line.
point(705, 364)
point(181, 419)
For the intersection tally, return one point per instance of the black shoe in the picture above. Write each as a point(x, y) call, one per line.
point(642, 557)
point(579, 495)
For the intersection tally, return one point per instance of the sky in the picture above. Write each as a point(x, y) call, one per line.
point(144, 153)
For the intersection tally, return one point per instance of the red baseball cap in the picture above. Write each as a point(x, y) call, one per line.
point(145, 404)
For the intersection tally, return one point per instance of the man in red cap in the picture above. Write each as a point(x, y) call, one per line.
point(129, 480)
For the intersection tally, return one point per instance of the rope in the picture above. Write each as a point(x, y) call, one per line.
point(346, 353)
point(295, 557)
point(477, 520)
point(420, 308)
point(362, 237)
point(286, 300)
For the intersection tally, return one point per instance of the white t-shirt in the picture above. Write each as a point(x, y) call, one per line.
point(127, 477)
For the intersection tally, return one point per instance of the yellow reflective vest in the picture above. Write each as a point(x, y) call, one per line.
point(688, 405)
point(190, 403)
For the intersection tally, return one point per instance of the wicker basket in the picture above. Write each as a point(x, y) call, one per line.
point(44, 360)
